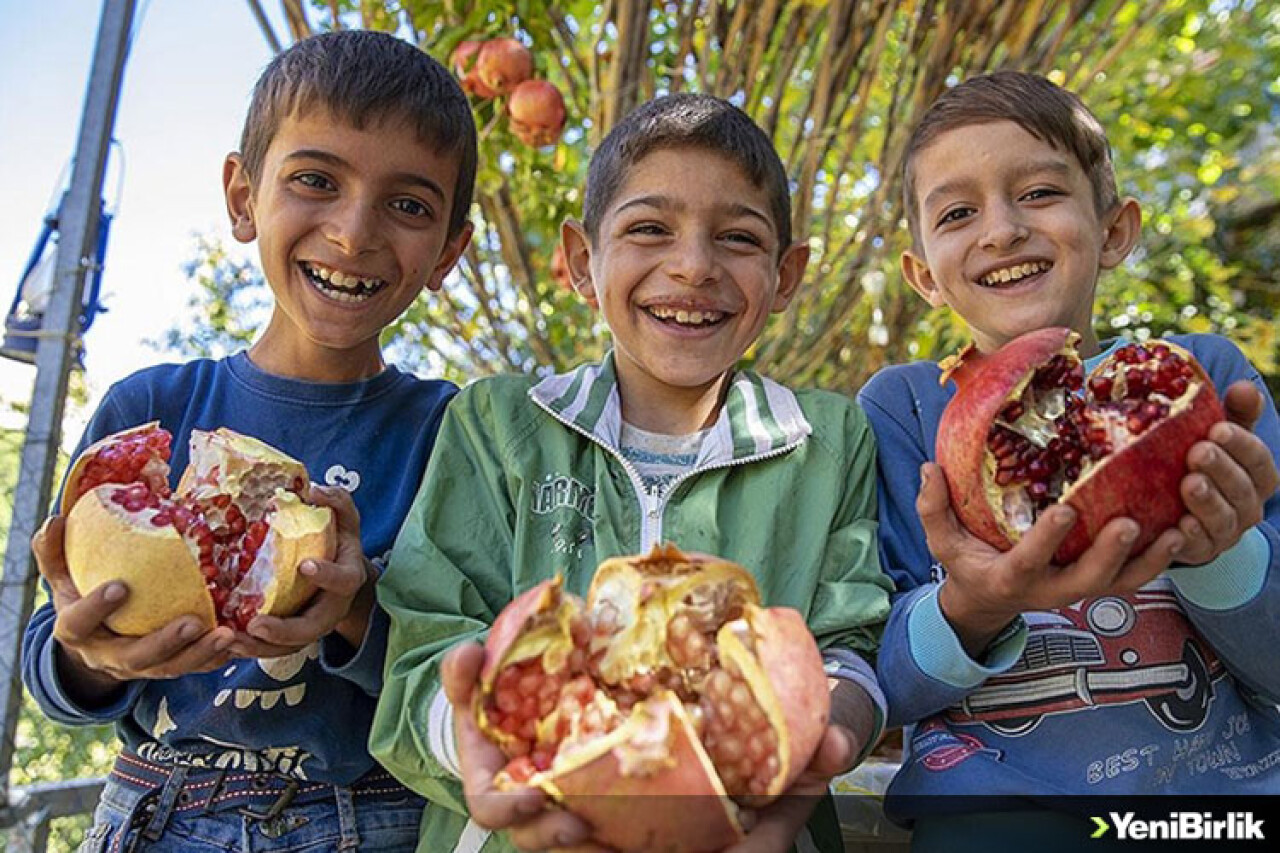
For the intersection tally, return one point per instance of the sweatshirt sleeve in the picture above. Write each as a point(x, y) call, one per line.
point(40, 650)
point(447, 579)
point(922, 666)
point(1235, 599)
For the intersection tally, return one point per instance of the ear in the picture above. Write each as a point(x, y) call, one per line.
point(239, 195)
point(1123, 228)
point(577, 256)
point(790, 273)
point(453, 249)
point(915, 269)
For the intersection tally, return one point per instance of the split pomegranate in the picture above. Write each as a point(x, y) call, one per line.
point(503, 63)
point(225, 546)
point(671, 680)
point(1026, 430)
point(537, 112)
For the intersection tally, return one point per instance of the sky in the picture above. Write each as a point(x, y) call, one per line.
point(186, 87)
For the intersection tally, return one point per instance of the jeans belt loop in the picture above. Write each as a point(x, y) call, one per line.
point(164, 804)
point(281, 803)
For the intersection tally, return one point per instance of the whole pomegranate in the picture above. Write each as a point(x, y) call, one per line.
point(537, 112)
point(669, 680)
point(503, 64)
point(1019, 436)
point(463, 62)
point(225, 546)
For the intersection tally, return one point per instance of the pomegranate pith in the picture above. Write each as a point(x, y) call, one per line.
point(1027, 430)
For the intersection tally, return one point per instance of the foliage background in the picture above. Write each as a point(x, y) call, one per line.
point(1189, 90)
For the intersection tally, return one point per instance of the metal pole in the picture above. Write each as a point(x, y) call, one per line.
point(78, 230)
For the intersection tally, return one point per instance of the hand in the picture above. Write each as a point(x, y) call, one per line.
point(1231, 476)
point(345, 591)
point(522, 811)
point(96, 661)
point(776, 826)
point(987, 588)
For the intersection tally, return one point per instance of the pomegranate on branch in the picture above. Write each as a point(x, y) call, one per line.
point(537, 113)
point(463, 62)
point(503, 64)
point(224, 546)
point(670, 679)
point(1026, 430)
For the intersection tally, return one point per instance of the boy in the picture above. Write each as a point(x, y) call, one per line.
point(355, 175)
point(1014, 213)
point(685, 247)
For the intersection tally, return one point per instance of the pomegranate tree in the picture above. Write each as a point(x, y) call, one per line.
point(224, 546)
point(1027, 430)
point(670, 679)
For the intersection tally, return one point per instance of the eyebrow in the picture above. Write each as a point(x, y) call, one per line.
point(663, 203)
point(329, 157)
point(1057, 167)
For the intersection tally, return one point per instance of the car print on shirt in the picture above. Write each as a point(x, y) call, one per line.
point(1117, 649)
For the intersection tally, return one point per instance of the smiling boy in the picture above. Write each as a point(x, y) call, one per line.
point(354, 175)
point(685, 247)
point(1129, 673)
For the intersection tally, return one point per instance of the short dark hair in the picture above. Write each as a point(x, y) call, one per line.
point(363, 77)
point(1043, 109)
point(698, 121)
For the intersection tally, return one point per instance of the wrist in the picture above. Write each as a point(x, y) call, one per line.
point(353, 626)
point(85, 685)
point(976, 628)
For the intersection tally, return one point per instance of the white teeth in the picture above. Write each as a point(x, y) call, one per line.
point(685, 317)
point(1014, 273)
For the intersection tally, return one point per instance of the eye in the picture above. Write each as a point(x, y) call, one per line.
point(745, 238)
point(1040, 193)
point(955, 214)
point(314, 181)
point(411, 207)
point(646, 229)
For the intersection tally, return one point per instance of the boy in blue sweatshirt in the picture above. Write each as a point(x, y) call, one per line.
point(354, 175)
point(1123, 673)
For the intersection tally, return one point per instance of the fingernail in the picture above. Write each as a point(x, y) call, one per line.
point(189, 630)
point(308, 568)
point(114, 592)
point(1129, 533)
point(924, 475)
point(1065, 516)
point(570, 837)
point(1200, 488)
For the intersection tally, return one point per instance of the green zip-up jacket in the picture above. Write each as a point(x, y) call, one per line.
point(527, 481)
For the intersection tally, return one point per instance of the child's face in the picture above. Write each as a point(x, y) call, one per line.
point(685, 268)
point(351, 225)
point(1010, 237)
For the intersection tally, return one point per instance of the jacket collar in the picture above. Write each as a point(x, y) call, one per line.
point(759, 416)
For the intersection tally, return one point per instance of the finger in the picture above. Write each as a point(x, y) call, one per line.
point(459, 672)
point(1243, 403)
point(933, 504)
point(80, 619)
point(343, 578)
point(1226, 471)
point(1210, 507)
point(834, 755)
point(1148, 565)
point(47, 548)
point(1036, 548)
point(340, 501)
point(1096, 569)
point(175, 648)
point(248, 646)
point(1251, 454)
point(549, 829)
point(313, 622)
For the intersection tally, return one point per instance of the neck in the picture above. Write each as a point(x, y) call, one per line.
point(668, 410)
point(316, 363)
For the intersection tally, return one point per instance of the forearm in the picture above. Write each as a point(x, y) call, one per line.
point(854, 711)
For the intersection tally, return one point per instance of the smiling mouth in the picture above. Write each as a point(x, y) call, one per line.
point(339, 286)
point(685, 318)
point(1014, 274)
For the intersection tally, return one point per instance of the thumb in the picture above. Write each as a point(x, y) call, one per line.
point(460, 672)
point(1243, 403)
point(934, 507)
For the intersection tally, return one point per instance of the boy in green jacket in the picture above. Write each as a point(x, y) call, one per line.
point(685, 247)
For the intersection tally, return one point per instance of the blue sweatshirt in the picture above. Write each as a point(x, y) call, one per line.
point(1164, 691)
point(306, 715)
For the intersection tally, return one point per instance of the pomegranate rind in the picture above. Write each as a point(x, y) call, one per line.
point(782, 663)
point(101, 545)
point(298, 532)
point(71, 490)
point(223, 460)
point(654, 754)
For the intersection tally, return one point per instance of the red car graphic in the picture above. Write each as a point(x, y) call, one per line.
point(1102, 651)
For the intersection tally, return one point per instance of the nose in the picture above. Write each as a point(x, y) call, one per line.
point(1004, 228)
point(352, 226)
point(693, 260)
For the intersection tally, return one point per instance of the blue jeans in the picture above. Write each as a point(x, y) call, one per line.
point(130, 820)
